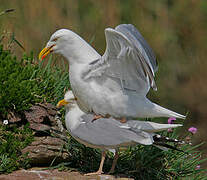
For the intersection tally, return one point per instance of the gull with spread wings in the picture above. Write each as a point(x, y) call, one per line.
point(116, 83)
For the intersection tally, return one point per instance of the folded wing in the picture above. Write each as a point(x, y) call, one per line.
point(110, 132)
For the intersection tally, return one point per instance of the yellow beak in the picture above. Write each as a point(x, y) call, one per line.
point(61, 103)
point(45, 52)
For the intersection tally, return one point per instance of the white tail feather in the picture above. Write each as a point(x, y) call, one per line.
point(163, 112)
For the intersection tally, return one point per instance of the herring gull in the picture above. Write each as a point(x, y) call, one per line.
point(110, 134)
point(116, 83)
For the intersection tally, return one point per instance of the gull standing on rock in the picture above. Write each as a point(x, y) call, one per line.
point(116, 83)
point(110, 134)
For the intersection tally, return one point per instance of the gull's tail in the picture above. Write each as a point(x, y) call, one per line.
point(145, 133)
point(153, 127)
point(159, 111)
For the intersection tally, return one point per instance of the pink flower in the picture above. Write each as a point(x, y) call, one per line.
point(198, 167)
point(170, 120)
point(193, 130)
point(170, 130)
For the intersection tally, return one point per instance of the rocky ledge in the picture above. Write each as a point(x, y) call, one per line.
point(39, 174)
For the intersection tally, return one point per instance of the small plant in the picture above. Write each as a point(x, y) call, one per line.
point(12, 140)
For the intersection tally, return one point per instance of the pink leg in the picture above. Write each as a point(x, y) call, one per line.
point(103, 156)
point(123, 120)
point(116, 156)
point(97, 117)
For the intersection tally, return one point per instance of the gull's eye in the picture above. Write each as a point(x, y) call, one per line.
point(55, 39)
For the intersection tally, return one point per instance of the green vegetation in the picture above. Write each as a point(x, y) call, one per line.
point(26, 82)
point(12, 140)
point(23, 83)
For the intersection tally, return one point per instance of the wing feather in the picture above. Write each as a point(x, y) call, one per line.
point(128, 58)
point(131, 32)
point(107, 132)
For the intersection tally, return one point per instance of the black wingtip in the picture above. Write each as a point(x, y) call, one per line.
point(162, 141)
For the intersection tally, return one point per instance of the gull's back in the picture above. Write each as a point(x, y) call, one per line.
point(108, 133)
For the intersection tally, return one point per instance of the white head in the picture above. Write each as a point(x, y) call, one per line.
point(68, 44)
point(73, 113)
point(69, 96)
point(68, 101)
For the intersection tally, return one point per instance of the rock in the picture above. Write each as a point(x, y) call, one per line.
point(44, 150)
point(50, 108)
point(42, 113)
point(37, 174)
point(36, 114)
point(39, 127)
point(13, 118)
point(49, 137)
point(42, 117)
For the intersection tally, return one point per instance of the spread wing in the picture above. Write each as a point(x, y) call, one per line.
point(127, 58)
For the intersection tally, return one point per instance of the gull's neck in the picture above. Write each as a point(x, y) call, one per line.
point(77, 50)
point(73, 117)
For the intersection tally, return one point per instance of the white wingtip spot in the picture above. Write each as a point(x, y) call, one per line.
point(158, 136)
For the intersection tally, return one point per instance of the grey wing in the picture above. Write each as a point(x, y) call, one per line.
point(135, 36)
point(107, 132)
point(127, 58)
